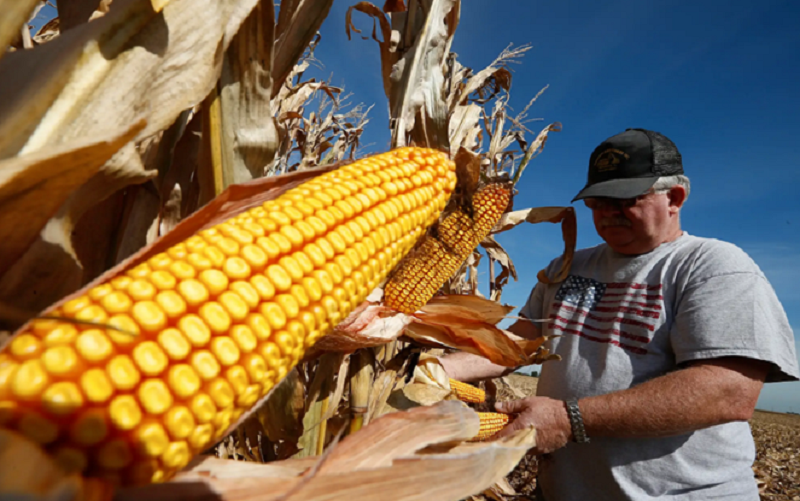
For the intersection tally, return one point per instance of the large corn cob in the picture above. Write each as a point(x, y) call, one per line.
point(467, 393)
point(207, 328)
point(491, 423)
point(437, 258)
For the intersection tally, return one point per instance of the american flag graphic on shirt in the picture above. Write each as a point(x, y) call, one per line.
point(622, 314)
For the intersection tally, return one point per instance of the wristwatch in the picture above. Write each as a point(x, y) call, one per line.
point(576, 420)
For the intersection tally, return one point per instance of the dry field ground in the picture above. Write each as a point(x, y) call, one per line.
point(777, 437)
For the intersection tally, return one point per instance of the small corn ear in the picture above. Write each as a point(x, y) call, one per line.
point(467, 393)
point(491, 423)
point(438, 257)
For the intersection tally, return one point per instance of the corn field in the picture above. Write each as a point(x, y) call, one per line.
point(208, 289)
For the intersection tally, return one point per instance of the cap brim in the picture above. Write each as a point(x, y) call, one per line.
point(618, 188)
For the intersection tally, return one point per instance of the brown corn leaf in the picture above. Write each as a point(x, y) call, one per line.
point(50, 269)
point(385, 382)
point(374, 464)
point(338, 391)
point(476, 337)
point(15, 15)
point(468, 307)
point(468, 172)
point(281, 415)
point(401, 434)
point(33, 186)
point(501, 257)
point(394, 6)
point(296, 28)
point(416, 394)
point(569, 232)
point(496, 74)
point(536, 147)
point(48, 31)
point(318, 401)
point(75, 12)
point(389, 54)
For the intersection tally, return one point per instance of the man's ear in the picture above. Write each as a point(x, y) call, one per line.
point(677, 197)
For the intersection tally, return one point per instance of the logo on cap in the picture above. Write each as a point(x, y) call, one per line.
point(610, 160)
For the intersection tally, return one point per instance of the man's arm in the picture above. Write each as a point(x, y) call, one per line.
point(706, 393)
point(468, 368)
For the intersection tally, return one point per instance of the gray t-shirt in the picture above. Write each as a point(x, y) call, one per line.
point(625, 320)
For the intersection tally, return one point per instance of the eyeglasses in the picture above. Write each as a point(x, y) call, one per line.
point(602, 203)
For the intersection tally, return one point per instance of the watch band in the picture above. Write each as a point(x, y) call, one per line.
point(576, 421)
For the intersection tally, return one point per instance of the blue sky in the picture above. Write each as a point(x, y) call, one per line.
point(720, 78)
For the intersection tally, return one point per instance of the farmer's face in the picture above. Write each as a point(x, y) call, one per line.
point(638, 225)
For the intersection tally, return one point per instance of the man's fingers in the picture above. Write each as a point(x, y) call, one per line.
point(518, 423)
point(512, 406)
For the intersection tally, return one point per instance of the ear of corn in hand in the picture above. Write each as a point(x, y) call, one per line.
point(203, 331)
point(491, 423)
point(437, 258)
point(467, 393)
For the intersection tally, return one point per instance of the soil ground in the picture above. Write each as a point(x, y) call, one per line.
point(777, 438)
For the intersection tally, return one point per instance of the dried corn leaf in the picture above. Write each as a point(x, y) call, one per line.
point(33, 186)
point(15, 14)
point(206, 466)
point(480, 338)
point(417, 100)
point(281, 415)
point(499, 255)
point(296, 28)
point(496, 74)
point(249, 134)
point(430, 371)
point(464, 121)
point(401, 434)
point(75, 12)
point(536, 147)
point(388, 49)
point(318, 402)
point(50, 269)
point(569, 232)
point(386, 381)
point(102, 75)
point(373, 464)
point(468, 307)
point(367, 326)
point(417, 394)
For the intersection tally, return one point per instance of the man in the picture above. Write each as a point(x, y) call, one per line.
point(666, 340)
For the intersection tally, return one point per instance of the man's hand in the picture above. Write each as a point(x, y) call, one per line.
point(548, 416)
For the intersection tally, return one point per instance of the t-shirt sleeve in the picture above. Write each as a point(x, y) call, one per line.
point(534, 307)
point(726, 307)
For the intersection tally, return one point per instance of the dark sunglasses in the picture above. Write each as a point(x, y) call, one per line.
point(600, 203)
